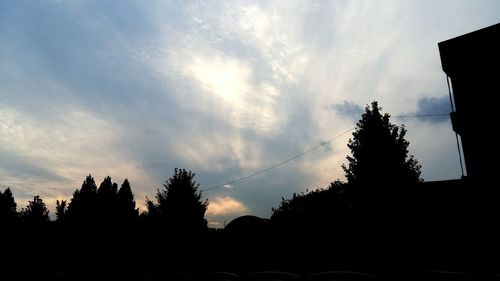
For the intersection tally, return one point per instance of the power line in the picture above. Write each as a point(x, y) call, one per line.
point(307, 151)
point(279, 163)
point(421, 115)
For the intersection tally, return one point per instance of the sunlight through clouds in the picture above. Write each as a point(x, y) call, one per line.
point(223, 152)
point(228, 84)
point(228, 78)
point(222, 209)
point(270, 31)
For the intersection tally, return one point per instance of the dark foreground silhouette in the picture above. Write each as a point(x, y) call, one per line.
point(382, 222)
point(435, 226)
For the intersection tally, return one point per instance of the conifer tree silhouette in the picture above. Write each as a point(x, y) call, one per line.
point(179, 204)
point(107, 201)
point(61, 210)
point(82, 207)
point(126, 204)
point(8, 212)
point(380, 152)
point(36, 212)
point(380, 169)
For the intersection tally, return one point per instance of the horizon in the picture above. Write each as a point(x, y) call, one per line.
point(224, 90)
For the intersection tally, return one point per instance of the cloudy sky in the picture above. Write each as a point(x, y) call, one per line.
point(133, 89)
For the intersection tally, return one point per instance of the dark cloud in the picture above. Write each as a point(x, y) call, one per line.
point(348, 110)
point(432, 106)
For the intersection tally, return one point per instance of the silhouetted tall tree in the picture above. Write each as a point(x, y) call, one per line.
point(83, 205)
point(8, 212)
point(36, 212)
point(126, 203)
point(107, 189)
point(179, 205)
point(107, 201)
point(61, 210)
point(380, 152)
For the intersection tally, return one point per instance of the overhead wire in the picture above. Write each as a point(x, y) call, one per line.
point(279, 163)
point(305, 152)
point(421, 115)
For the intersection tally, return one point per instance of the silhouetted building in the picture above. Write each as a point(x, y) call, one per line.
point(472, 63)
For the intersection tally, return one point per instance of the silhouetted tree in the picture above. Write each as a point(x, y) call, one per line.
point(107, 201)
point(61, 210)
point(82, 207)
point(179, 205)
point(107, 189)
point(312, 208)
point(8, 212)
point(126, 203)
point(380, 152)
point(36, 212)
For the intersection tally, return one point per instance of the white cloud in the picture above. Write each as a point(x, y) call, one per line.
point(222, 86)
point(223, 209)
point(226, 205)
point(274, 32)
point(226, 77)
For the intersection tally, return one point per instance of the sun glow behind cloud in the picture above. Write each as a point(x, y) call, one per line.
point(227, 78)
point(226, 205)
point(224, 208)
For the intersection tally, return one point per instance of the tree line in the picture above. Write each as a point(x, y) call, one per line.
point(378, 169)
point(378, 165)
point(380, 215)
point(178, 204)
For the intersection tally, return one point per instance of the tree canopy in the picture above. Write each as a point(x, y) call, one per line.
point(179, 204)
point(36, 212)
point(104, 205)
point(379, 161)
point(61, 210)
point(82, 207)
point(8, 212)
point(313, 207)
point(380, 152)
point(126, 209)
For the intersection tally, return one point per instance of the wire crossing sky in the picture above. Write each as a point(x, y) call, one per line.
point(308, 151)
point(222, 88)
point(278, 164)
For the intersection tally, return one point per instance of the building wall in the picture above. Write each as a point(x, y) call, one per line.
point(472, 63)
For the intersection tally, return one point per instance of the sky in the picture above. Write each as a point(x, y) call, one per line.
point(134, 89)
